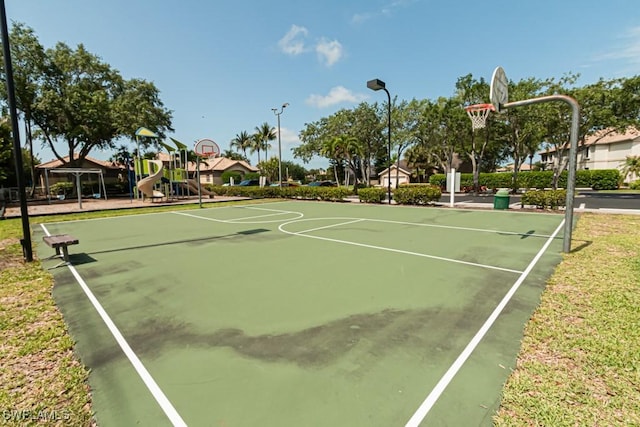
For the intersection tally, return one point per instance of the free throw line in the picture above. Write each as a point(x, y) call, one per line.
point(437, 391)
point(146, 377)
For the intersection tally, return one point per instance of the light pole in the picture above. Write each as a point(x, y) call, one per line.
point(377, 84)
point(275, 111)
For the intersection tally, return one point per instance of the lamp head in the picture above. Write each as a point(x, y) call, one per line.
point(285, 105)
point(376, 84)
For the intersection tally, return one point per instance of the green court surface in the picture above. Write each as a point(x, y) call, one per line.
point(302, 313)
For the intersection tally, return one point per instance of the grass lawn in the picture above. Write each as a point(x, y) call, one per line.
point(579, 363)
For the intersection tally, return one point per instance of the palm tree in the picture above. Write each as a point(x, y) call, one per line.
point(348, 149)
point(242, 141)
point(265, 133)
point(631, 167)
point(255, 146)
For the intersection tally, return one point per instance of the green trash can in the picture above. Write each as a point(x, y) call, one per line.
point(501, 199)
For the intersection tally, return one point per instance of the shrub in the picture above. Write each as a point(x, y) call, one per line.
point(417, 195)
point(65, 188)
point(600, 179)
point(605, 179)
point(372, 195)
point(544, 199)
point(226, 175)
point(635, 185)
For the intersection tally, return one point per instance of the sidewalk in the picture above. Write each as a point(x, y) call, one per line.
point(72, 206)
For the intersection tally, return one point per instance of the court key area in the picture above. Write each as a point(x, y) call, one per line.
point(302, 313)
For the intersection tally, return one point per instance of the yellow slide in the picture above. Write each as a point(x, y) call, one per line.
point(145, 185)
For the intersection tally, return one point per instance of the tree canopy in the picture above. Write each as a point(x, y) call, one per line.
point(69, 97)
point(436, 134)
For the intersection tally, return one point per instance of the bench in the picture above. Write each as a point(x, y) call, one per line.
point(60, 242)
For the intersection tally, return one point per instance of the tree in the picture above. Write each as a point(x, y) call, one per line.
point(71, 96)
point(442, 125)
point(294, 171)
point(346, 149)
point(242, 141)
point(122, 155)
point(520, 129)
point(470, 91)
point(7, 165)
point(631, 167)
point(7, 159)
point(256, 146)
point(269, 168)
point(28, 61)
point(418, 158)
point(232, 155)
point(264, 134)
point(362, 125)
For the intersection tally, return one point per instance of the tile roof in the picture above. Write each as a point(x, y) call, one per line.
point(56, 163)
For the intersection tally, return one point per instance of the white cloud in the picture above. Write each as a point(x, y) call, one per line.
point(628, 50)
point(336, 95)
point(329, 52)
point(386, 10)
point(293, 42)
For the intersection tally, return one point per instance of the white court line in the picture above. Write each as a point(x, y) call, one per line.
point(255, 216)
point(431, 399)
point(199, 217)
point(455, 227)
point(399, 251)
point(146, 377)
point(329, 226)
point(243, 220)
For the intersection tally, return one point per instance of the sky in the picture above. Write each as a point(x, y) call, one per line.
point(222, 66)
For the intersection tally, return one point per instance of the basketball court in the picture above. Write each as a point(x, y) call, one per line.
point(302, 313)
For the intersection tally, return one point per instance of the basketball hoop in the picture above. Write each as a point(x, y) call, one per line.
point(206, 148)
point(478, 114)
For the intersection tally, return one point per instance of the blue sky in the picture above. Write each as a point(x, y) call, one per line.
point(221, 66)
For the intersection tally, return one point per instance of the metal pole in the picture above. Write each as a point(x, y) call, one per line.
point(279, 154)
point(79, 188)
point(27, 249)
point(573, 158)
point(389, 145)
point(275, 111)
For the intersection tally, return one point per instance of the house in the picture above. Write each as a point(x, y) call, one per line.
point(524, 167)
point(606, 149)
point(211, 170)
point(402, 175)
point(111, 172)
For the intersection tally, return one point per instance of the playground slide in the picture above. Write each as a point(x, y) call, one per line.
point(192, 185)
point(145, 185)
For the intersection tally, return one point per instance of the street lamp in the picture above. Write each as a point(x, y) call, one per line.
point(275, 111)
point(377, 84)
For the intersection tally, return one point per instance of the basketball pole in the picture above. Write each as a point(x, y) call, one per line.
point(27, 248)
point(573, 157)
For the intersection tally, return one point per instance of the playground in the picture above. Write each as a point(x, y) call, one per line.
point(302, 313)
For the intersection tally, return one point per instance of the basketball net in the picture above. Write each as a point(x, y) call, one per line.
point(478, 114)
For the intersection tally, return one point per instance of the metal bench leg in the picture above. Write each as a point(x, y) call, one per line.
point(65, 253)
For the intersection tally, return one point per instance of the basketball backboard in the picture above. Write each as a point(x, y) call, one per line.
point(206, 148)
point(499, 90)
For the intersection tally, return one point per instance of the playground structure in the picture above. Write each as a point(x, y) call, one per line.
point(146, 185)
point(169, 177)
point(158, 182)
